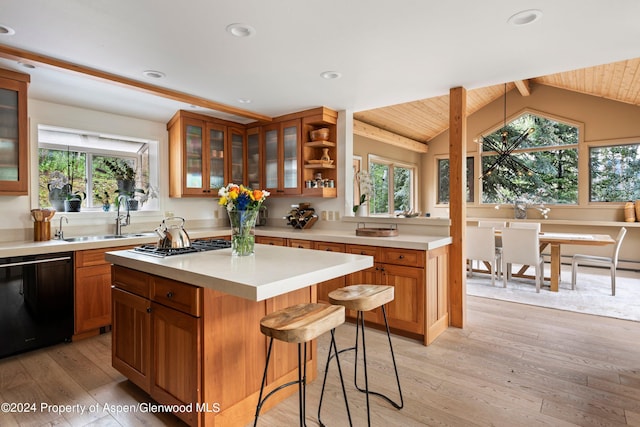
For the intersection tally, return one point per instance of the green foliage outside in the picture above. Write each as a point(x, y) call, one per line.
point(615, 173)
point(69, 163)
point(555, 177)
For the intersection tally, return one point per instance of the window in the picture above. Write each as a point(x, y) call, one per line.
point(75, 162)
point(394, 186)
point(443, 181)
point(614, 173)
point(550, 152)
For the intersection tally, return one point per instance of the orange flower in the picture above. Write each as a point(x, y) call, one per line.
point(257, 195)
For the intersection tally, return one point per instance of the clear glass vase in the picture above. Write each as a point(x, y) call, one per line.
point(242, 231)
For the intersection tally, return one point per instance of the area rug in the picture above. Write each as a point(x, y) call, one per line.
point(592, 294)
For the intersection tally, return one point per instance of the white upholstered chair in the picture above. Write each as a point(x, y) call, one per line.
point(498, 226)
point(599, 261)
point(521, 246)
point(480, 245)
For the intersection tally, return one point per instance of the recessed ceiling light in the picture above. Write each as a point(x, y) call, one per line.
point(331, 75)
point(152, 74)
point(525, 17)
point(240, 30)
point(6, 31)
point(244, 100)
point(26, 65)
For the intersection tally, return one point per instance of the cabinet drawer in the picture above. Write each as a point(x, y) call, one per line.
point(180, 296)
point(130, 280)
point(364, 250)
point(273, 241)
point(408, 257)
point(328, 246)
point(93, 257)
point(302, 244)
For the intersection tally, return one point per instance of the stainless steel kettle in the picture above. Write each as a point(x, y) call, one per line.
point(172, 235)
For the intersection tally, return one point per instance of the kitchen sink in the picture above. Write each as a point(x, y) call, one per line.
point(107, 236)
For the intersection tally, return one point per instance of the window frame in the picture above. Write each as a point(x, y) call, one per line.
point(391, 164)
point(148, 146)
point(585, 164)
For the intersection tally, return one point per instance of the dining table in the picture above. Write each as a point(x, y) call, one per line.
point(555, 240)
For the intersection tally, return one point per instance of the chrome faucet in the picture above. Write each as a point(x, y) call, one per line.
point(59, 233)
point(122, 220)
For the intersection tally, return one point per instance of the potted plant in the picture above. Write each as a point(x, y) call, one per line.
point(74, 201)
point(59, 188)
point(365, 185)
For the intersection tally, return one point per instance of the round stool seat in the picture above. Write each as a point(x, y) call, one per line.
point(362, 297)
point(302, 322)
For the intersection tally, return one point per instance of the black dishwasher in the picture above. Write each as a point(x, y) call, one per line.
point(36, 301)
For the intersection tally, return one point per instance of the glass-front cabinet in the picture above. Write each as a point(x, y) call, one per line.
point(237, 157)
point(253, 159)
point(197, 152)
point(282, 157)
point(13, 133)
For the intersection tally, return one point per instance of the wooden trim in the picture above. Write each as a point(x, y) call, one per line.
point(19, 54)
point(14, 75)
point(523, 87)
point(369, 131)
point(457, 204)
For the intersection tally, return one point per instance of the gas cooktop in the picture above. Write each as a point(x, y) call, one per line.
point(199, 245)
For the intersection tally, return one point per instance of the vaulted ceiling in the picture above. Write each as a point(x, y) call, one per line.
point(425, 119)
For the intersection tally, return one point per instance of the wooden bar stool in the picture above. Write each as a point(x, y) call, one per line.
point(300, 324)
point(363, 298)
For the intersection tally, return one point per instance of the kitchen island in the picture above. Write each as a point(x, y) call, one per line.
point(186, 328)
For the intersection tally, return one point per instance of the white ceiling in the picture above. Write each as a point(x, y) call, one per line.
point(388, 51)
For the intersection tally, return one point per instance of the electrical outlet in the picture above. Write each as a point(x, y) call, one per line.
point(323, 215)
point(336, 215)
point(330, 216)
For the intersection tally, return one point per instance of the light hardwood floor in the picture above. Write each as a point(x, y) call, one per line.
point(513, 365)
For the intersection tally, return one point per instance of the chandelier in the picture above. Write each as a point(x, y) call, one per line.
point(505, 147)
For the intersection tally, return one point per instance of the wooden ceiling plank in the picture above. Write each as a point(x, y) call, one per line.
point(19, 54)
point(375, 133)
point(523, 87)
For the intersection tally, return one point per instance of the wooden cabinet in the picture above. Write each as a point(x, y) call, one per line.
point(237, 156)
point(254, 158)
point(273, 241)
point(92, 292)
point(282, 158)
point(329, 285)
point(204, 154)
point(184, 345)
point(312, 152)
point(404, 270)
point(14, 173)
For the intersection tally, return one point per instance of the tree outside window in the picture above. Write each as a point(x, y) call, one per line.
point(394, 186)
point(614, 173)
point(550, 152)
point(443, 181)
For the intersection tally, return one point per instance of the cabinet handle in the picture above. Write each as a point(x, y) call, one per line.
point(401, 257)
point(362, 253)
point(328, 249)
point(300, 247)
point(148, 309)
point(169, 294)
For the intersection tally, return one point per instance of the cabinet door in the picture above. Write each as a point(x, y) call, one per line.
point(291, 154)
point(92, 298)
point(406, 311)
point(236, 156)
point(215, 155)
point(273, 241)
point(130, 348)
point(176, 359)
point(253, 159)
point(271, 172)
point(13, 137)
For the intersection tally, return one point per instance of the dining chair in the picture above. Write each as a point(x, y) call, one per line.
point(521, 246)
point(599, 261)
point(497, 225)
point(480, 245)
point(535, 225)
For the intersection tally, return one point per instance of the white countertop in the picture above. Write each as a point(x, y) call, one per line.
point(404, 240)
point(271, 271)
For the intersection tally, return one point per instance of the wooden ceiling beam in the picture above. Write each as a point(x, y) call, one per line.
point(22, 55)
point(523, 87)
point(373, 132)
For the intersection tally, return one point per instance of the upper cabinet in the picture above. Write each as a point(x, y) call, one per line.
point(282, 157)
point(13, 133)
point(287, 157)
point(198, 152)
